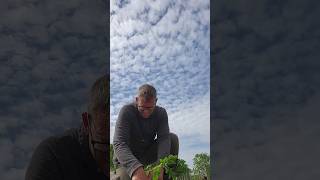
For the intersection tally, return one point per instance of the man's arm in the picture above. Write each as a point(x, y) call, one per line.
point(121, 140)
point(163, 135)
point(139, 174)
point(43, 164)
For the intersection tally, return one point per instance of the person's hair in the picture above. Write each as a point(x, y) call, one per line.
point(99, 96)
point(98, 100)
point(147, 92)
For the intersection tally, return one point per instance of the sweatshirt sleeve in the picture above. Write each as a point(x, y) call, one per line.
point(121, 142)
point(43, 164)
point(163, 135)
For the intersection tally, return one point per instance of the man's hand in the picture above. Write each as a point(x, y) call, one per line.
point(139, 174)
point(161, 174)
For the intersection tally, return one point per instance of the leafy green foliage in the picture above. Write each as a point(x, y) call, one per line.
point(154, 170)
point(172, 165)
point(201, 165)
point(112, 167)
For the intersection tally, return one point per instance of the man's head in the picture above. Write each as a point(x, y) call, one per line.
point(96, 124)
point(146, 100)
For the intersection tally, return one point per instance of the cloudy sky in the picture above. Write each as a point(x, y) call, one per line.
point(265, 65)
point(166, 44)
point(51, 52)
point(266, 89)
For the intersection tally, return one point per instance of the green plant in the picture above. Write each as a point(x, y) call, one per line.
point(112, 167)
point(172, 165)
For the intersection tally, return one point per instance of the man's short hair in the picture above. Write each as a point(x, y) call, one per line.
point(99, 96)
point(147, 92)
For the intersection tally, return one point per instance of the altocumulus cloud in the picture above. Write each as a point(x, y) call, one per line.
point(164, 43)
point(50, 54)
point(267, 89)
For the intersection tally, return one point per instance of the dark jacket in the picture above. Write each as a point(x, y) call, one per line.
point(134, 135)
point(66, 157)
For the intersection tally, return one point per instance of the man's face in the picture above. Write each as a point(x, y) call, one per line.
point(99, 144)
point(146, 107)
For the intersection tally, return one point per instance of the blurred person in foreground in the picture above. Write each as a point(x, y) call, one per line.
point(79, 153)
point(142, 136)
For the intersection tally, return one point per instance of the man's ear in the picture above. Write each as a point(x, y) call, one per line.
point(137, 100)
point(85, 121)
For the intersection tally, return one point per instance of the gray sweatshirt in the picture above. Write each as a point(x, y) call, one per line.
point(64, 157)
point(134, 135)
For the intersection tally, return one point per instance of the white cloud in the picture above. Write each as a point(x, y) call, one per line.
point(192, 118)
point(53, 53)
point(288, 145)
point(191, 122)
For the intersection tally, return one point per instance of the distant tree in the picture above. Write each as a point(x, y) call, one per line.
point(201, 165)
point(112, 167)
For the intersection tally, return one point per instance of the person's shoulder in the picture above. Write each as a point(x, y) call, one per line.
point(59, 143)
point(43, 159)
point(130, 107)
point(70, 139)
point(46, 150)
point(47, 144)
point(160, 109)
point(52, 155)
point(70, 134)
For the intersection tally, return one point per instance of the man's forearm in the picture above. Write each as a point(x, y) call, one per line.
point(126, 158)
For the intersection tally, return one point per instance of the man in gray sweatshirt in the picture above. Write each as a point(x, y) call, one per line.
point(81, 153)
point(142, 136)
